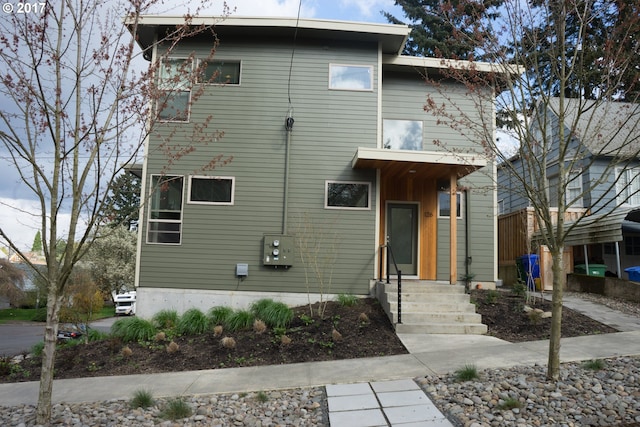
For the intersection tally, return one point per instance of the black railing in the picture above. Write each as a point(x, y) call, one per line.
point(389, 257)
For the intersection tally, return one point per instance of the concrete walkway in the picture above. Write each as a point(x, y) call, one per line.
point(385, 380)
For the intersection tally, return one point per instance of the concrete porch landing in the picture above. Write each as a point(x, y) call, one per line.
point(429, 307)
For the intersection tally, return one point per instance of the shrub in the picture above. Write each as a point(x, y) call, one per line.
point(492, 296)
point(337, 336)
point(363, 318)
point(141, 399)
point(467, 373)
point(133, 329)
point(96, 335)
point(165, 319)
point(259, 326)
point(519, 289)
point(217, 330)
point(241, 319)
point(347, 300)
point(176, 409)
point(509, 403)
point(172, 347)
point(126, 351)
point(285, 340)
point(274, 314)
point(37, 349)
point(160, 336)
point(594, 364)
point(219, 315)
point(193, 322)
point(535, 316)
point(228, 342)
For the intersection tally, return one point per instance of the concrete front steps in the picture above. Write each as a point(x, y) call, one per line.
point(430, 308)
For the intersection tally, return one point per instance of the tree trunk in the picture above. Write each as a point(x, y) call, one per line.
point(48, 357)
point(553, 367)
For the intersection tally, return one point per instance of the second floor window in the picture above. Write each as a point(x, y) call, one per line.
point(573, 195)
point(174, 82)
point(216, 190)
point(221, 72)
point(351, 77)
point(402, 135)
point(628, 186)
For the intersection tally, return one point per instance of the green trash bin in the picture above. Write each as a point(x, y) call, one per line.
point(596, 270)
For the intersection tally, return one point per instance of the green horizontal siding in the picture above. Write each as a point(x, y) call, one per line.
point(329, 125)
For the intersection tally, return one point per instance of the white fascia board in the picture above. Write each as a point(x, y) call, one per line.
point(319, 24)
point(364, 153)
point(445, 64)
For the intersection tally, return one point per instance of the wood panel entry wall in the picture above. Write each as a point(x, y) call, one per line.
point(407, 189)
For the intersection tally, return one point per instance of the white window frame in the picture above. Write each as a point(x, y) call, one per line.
point(216, 178)
point(172, 90)
point(574, 183)
point(331, 77)
point(624, 186)
point(357, 208)
point(459, 196)
point(151, 220)
point(235, 61)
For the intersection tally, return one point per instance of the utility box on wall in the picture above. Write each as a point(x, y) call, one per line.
point(278, 250)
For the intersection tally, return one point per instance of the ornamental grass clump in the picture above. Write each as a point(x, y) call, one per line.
point(259, 326)
point(228, 342)
point(594, 364)
point(165, 319)
point(173, 347)
point(239, 320)
point(192, 322)
point(467, 373)
point(219, 315)
point(274, 314)
point(141, 399)
point(133, 329)
point(176, 409)
point(347, 300)
point(126, 351)
point(217, 330)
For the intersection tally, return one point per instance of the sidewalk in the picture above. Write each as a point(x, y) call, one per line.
point(429, 354)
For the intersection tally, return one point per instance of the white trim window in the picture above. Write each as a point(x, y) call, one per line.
point(220, 72)
point(573, 194)
point(628, 186)
point(347, 195)
point(164, 225)
point(211, 190)
point(402, 135)
point(351, 77)
point(444, 204)
point(174, 82)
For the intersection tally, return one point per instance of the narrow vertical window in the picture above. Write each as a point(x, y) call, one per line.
point(165, 210)
point(444, 205)
point(174, 82)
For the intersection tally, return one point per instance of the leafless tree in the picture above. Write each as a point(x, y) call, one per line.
point(79, 101)
point(552, 95)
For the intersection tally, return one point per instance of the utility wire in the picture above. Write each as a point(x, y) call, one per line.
point(293, 51)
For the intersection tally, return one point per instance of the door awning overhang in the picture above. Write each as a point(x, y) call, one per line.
point(417, 164)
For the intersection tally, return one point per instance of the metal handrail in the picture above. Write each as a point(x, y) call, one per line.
point(389, 256)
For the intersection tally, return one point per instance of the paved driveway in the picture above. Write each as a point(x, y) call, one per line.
point(19, 337)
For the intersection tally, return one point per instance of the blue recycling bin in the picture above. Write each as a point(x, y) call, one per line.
point(634, 273)
point(531, 269)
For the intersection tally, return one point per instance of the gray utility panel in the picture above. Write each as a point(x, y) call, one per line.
point(278, 250)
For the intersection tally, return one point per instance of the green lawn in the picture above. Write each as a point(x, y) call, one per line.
point(29, 314)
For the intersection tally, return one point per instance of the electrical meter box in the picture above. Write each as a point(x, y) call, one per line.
point(278, 250)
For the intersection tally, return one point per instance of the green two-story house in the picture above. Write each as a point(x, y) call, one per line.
point(331, 157)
